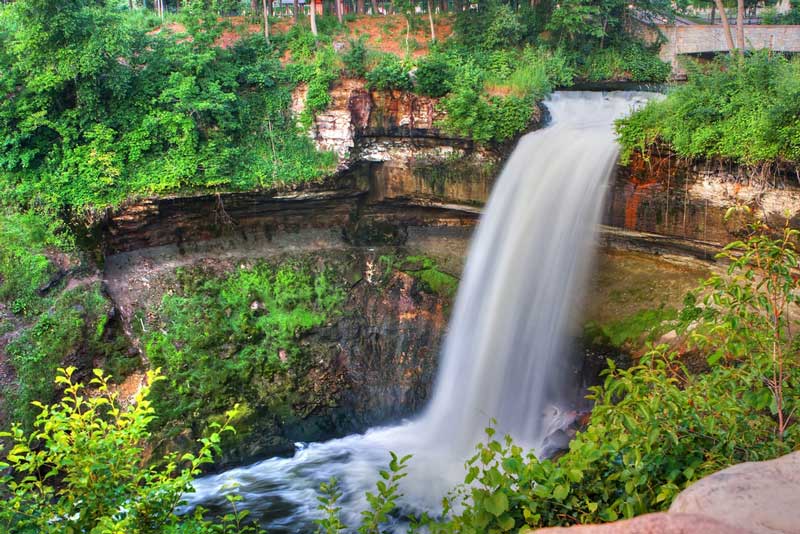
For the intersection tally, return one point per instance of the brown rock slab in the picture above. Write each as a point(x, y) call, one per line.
point(763, 497)
point(660, 523)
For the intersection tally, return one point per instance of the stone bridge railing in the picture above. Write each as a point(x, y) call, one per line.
point(700, 39)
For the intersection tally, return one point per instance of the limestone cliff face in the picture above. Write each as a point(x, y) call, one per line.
point(705, 201)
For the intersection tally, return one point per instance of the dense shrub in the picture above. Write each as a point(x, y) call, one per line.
point(389, 73)
point(747, 112)
point(629, 62)
point(83, 470)
point(355, 58)
point(98, 110)
point(434, 75)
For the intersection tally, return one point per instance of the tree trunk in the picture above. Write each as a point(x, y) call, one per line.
point(339, 10)
point(313, 16)
point(360, 7)
point(726, 28)
point(296, 6)
point(713, 12)
point(430, 18)
point(254, 6)
point(740, 27)
point(265, 12)
point(130, 4)
point(374, 7)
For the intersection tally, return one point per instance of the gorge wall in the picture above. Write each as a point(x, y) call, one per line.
point(406, 190)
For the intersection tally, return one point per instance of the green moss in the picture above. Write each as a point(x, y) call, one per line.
point(227, 340)
point(70, 329)
point(426, 270)
point(636, 329)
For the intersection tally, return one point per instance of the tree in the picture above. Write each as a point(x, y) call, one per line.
point(740, 26)
point(296, 9)
point(430, 18)
point(313, 16)
point(726, 27)
point(265, 14)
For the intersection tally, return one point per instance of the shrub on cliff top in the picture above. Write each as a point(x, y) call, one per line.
point(747, 112)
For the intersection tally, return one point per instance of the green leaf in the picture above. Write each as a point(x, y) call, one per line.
point(496, 504)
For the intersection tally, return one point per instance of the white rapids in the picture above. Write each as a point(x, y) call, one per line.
point(504, 356)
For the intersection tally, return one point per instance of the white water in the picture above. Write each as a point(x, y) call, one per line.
point(505, 353)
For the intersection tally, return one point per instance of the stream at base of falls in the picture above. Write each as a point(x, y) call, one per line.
point(506, 355)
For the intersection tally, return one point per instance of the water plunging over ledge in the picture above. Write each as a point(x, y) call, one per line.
point(505, 352)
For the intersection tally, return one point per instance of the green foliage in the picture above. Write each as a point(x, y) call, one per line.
point(587, 24)
point(389, 73)
point(98, 109)
point(473, 114)
point(434, 75)
point(355, 59)
point(220, 339)
point(432, 278)
point(82, 469)
point(643, 326)
point(381, 503)
point(631, 62)
point(747, 112)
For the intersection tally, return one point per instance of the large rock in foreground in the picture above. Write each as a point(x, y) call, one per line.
point(763, 497)
point(662, 523)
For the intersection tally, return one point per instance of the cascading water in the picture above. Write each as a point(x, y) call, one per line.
point(505, 352)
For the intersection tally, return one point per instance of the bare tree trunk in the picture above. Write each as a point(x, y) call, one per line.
point(726, 28)
point(360, 7)
point(374, 7)
point(265, 12)
point(740, 26)
point(254, 6)
point(713, 12)
point(296, 6)
point(130, 4)
point(313, 16)
point(430, 18)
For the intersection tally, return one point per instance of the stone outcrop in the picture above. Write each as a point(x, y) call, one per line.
point(748, 498)
point(761, 497)
point(705, 201)
point(661, 523)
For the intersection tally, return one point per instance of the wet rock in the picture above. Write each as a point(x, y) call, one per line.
point(762, 497)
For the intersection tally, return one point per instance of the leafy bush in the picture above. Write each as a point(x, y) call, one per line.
point(472, 114)
point(389, 73)
point(355, 59)
point(747, 112)
point(83, 469)
point(434, 75)
point(116, 111)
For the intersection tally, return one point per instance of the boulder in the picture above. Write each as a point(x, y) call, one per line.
point(762, 497)
point(660, 523)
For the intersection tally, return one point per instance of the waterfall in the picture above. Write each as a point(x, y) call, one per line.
point(504, 355)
